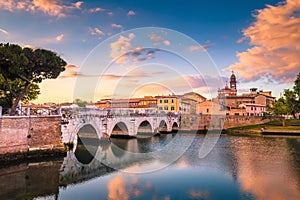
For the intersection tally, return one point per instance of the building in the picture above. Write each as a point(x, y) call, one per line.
point(145, 102)
point(255, 109)
point(190, 103)
point(231, 90)
point(209, 107)
point(195, 96)
point(194, 99)
point(170, 103)
point(235, 104)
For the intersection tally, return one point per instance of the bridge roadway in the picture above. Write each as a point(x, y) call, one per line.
point(115, 123)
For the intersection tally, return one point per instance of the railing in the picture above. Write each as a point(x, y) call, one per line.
point(31, 111)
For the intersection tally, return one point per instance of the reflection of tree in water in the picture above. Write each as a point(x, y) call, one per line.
point(294, 149)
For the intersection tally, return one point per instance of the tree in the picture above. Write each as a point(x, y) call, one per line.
point(6, 98)
point(80, 102)
point(291, 101)
point(27, 66)
point(297, 86)
point(277, 109)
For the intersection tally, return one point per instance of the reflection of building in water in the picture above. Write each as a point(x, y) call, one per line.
point(264, 169)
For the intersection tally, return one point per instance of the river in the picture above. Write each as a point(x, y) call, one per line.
point(238, 167)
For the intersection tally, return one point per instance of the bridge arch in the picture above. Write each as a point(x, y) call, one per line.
point(163, 126)
point(175, 127)
point(74, 136)
point(145, 129)
point(86, 145)
point(120, 129)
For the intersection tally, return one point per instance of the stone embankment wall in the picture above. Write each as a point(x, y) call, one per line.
point(217, 122)
point(28, 134)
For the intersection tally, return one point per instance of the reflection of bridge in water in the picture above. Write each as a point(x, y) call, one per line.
point(94, 158)
point(116, 123)
point(96, 152)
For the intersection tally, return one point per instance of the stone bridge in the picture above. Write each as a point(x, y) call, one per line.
point(115, 123)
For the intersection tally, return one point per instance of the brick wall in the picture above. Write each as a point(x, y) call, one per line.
point(23, 134)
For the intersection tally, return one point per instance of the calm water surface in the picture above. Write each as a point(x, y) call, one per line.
point(236, 168)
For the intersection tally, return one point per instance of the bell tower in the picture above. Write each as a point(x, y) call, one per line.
point(233, 81)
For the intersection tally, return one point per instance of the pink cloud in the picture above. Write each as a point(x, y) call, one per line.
point(96, 31)
point(120, 47)
point(50, 7)
point(275, 38)
point(198, 48)
point(130, 13)
point(59, 37)
point(159, 39)
point(93, 10)
point(117, 26)
point(3, 31)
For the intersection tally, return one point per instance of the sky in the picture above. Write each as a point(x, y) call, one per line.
point(192, 45)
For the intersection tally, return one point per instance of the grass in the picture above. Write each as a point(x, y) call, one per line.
point(291, 124)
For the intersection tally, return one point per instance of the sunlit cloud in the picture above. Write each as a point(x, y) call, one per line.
point(110, 13)
point(275, 38)
point(130, 13)
point(59, 37)
point(71, 71)
point(159, 39)
point(198, 48)
point(49, 7)
point(93, 10)
point(3, 31)
point(96, 31)
point(116, 26)
point(120, 47)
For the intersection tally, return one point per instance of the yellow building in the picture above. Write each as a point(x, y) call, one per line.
point(169, 103)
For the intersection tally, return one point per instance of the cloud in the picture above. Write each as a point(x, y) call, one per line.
point(116, 26)
point(166, 42)
point(50, 7)
point(275, 39)
point(96, 31)
point(110, 13)
point(130, 13)
point(59, 37)
point(120, 47)
point(93, 10)
point(158, 39)
point(3, 31)
point(198, 48)
point(70, 71)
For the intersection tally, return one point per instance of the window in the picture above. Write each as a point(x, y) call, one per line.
point(160, 108)
point(160, 101)
point(172, 108)
point(166, 108)
point(166, 101)
point(236, 114)
point(172, 100)
point(207, 110)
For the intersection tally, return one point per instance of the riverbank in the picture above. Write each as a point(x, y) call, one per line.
point(30, 156)
point(270, 128)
